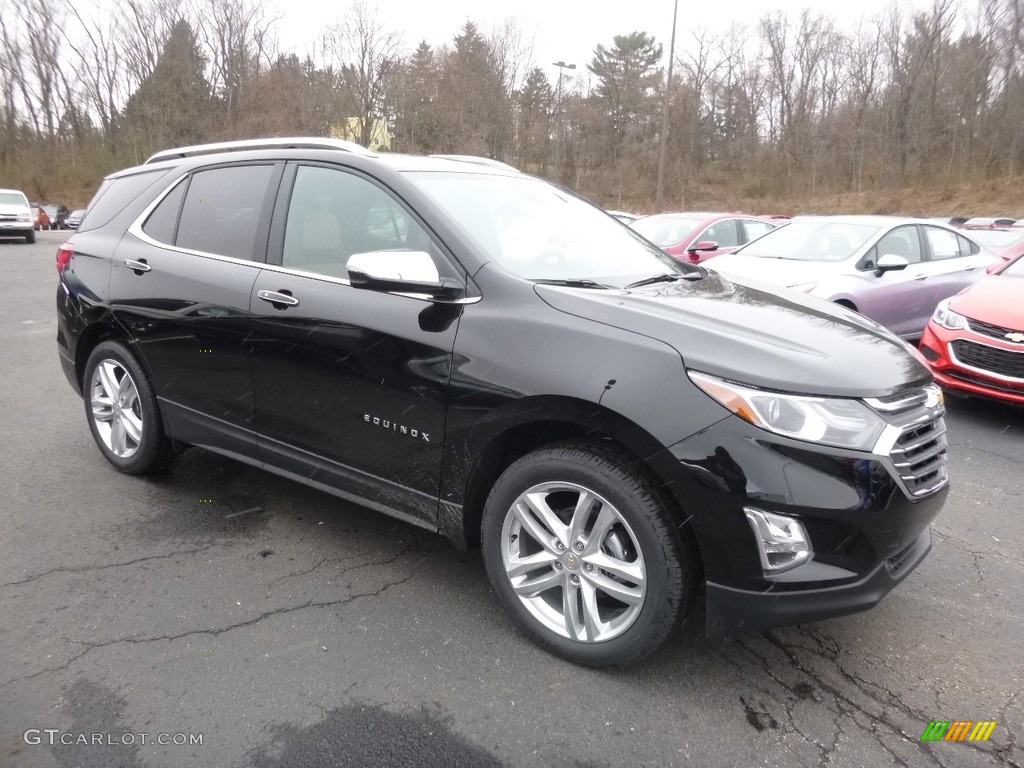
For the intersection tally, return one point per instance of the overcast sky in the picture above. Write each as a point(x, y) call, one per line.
point(560, 31)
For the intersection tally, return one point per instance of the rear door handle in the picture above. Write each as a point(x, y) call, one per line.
point(278, 298)
point(138, 267)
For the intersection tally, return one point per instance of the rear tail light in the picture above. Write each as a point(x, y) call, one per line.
point(64, 254)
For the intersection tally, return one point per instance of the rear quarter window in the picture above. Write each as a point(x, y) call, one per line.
point(115, 194)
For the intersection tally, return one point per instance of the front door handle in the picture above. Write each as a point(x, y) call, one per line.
point(139, 267)
point(280, 299)
point(920, 277)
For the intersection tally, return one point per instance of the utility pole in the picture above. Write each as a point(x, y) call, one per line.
point(663, 144)
point(559, 133)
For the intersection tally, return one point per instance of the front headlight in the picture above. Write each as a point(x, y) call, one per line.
point(24, 217)
point(947, 318)
point(841, 422)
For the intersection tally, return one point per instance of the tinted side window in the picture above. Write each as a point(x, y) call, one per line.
point(222, 209)
point(756, 228)
point(164, 219)
point(114, 195)
point(968, 247)
point(333, 214)
point(722, 232)
point(942, 244)
point(902, 241)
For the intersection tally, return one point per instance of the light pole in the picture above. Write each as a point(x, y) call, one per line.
point(558, 128)
point(664, 115)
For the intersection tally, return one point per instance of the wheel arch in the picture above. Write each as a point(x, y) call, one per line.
point(534, 423)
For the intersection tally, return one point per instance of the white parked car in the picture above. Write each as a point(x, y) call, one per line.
point(16, 216)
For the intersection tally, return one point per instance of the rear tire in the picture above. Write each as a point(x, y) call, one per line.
point(583, 555)
point(122, 411)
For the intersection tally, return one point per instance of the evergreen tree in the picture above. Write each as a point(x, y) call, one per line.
point(172, 106)
point(628, 75)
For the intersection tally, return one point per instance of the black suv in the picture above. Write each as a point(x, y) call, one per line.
point(484, 354)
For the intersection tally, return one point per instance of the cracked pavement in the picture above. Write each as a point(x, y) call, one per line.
point(290, 628)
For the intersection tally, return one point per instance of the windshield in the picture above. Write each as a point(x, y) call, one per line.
point(664, 231)
point(13, 198)
point(538, 231)
point(995, 238)
point(812, 241)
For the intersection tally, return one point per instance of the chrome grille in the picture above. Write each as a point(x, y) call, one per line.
point(1004, 363)
point(920, 457)
point(915, 441)
point(988, 329)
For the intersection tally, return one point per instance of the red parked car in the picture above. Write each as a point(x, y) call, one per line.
point(694, 237)
point(974, 342)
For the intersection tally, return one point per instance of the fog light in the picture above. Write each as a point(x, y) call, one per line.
point(782, 541)
point(929, 353)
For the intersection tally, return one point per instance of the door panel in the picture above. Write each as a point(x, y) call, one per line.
point(951, 266)
point(189, 317)
point(351, 384)
point(897, 298)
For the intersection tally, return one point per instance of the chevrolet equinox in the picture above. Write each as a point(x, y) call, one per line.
point(487, 355)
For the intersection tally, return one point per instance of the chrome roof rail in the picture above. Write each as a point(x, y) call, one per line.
point(303, 142)
point(485, 161)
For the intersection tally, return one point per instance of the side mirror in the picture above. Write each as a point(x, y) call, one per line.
point(400, 272)
point(890, 263)
point(703, 245)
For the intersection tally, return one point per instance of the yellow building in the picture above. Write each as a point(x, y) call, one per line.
point(380, 136)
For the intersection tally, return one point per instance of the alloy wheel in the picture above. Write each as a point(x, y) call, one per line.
point(573, 562)
point(116, 408)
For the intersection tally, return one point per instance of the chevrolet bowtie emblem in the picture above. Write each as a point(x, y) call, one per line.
point(1016, 336)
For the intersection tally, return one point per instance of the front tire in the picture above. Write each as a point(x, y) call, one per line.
point(30, 236)
point(122, 411)
point(583, 555)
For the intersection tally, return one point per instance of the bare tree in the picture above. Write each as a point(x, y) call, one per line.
point(368, 53)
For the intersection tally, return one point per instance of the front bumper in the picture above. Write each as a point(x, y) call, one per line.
point(737, 611)
point(952, 374)
point(866, 529)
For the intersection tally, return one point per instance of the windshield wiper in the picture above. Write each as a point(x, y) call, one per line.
point(669, 277)
point(572, 282)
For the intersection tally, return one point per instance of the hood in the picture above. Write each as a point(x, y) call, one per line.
point(994, 299)
point(791, 343)
point(15, 208)
point(775, 271)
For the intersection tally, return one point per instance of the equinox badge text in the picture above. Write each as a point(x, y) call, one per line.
point(395, 427)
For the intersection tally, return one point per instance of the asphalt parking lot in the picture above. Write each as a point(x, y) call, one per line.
point(287, 628)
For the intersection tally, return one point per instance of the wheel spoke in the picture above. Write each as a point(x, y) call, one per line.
point(132, 425)
point(606, 518)
point(126, 390)
point(591, 614)
point(571, 611)
point(117, 437)
point(612, 588)
point(108, 379)
point(633, 572)
point(520, 566)
point(581, 515)
point(533, 587)
point(538, 519)
point(102, 408)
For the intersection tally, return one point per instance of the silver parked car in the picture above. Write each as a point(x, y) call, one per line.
point(893, 270)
